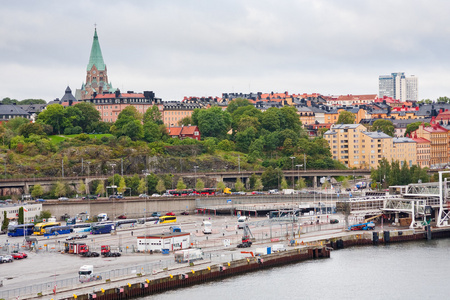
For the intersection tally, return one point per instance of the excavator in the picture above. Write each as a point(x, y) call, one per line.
point(246, 238)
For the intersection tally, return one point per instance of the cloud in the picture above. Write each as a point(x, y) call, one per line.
point(199, 48)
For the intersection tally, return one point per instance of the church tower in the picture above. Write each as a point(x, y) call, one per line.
point(97, 74)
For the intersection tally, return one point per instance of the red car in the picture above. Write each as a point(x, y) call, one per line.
point(17, 255)
point(170, 214)
point(24, 255)
point(122, 217)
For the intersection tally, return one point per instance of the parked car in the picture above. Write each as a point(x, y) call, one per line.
point(40, 200)
point(17, 255)
point(76, 237)
point(24, 255)
point(257, 193)
point(156, 214)
point(156, 195)
point(171, 213)
point(185, 213)
point(63, 199)
point(122, 217)
point(90, 197)
point(6, 259)
point(143, 196)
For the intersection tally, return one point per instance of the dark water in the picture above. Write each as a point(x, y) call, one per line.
point(417, 270)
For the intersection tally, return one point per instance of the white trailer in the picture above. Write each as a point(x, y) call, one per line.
point(207, 227)
point(188, 255)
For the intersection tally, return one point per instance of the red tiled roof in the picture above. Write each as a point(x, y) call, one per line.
point(189, 130)
point(420, 140)
point(174, 131)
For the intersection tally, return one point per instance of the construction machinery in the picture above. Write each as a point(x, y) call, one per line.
point(362, 226)
point(246, 238)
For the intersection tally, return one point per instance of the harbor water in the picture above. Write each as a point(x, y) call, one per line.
point(414, 270)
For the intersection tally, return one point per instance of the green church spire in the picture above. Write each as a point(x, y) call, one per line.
point(96, 57)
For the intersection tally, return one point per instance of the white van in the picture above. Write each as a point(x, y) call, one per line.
point(207, 227)
point(241, 222)
point(278, 248)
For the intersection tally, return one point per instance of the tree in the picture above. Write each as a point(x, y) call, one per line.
point(345, 184)
point(443, 100)
point(394, 174)
point(258, 184)
point(236, 103)
point(153, 115)
point(152, 182)
point(160, 187)
point(284, 184)
point(385, 126)
point(54, 116)
point(15, 123)
point(90, 116)
point(405, 174)
point(200, 185)
point(5, 222)
point(142, 186)
point(81, 187)
point(37, 191)
point(180, 184)
point(20, 220)
point(346, 117)
point(122, 186)
point(221, 185)
point(128, 123)
point(413, 127)
point(271, 178)
point(28, 129)
point(239, 186)
point(213, 122)
point(60, 189)
point(301, 184)
point(100, 190)
point(186, 121)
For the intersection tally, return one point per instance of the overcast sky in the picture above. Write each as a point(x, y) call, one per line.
point(204, 48)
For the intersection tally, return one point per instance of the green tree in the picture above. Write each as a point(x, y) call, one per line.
point(160, 187)
point(186, 121)
point(258, 184)
point(129, 124)
point(413, 127)
point(345, 184)
point(81, 187)
point(32, 101)
point(443, 100)
point(152, 182)
point(28, 129)
point(54, 116)
point(37, 191)
point(245, 138)
point(60, 189)
point(200, 185)
point(221, 185)
point(271, 178)
point(252, 180)
point(142, 186)
point(153, 115)
point(213, 122)
point(15, 123)
point(226, 145)
point(394, 175)
point(90, 116)
point(271, 120)
point(346, 117)
point(236, 103)
point(385, 126)
point(122, 186)
point(301, 184)
point(180, 184)
point(20, 220)
point(5, 222)
point(284, 184)
point(239, 186)
point(405, 175)
point(100, 190)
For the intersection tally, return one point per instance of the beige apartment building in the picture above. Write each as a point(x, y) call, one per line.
point(352, 145)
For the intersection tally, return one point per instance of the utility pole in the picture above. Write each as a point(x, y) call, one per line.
point(62, 167)
point(292, 158)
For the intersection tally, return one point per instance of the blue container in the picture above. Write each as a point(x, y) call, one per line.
point(269, 250)
point(165, 251)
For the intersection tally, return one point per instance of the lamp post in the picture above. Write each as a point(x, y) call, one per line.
point(195, 178)
point(113, 186)
point(304, 161)
point(292, 159)
point(62, 167)
point(298, 171)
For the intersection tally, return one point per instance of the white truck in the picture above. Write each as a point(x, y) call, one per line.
point(242, 220)
point(188, 255)
point(86, 274)
point(102, 217)
point(207, 227)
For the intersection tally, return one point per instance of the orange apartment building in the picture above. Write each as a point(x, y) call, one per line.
point(439, 142)
point(175, 111)
point(423, 151)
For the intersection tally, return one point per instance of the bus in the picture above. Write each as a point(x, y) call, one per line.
point(126, 223)
point(186, 192)
point(81, 227)
point(207, 191)
point(148, 220)
point(102, 228)
point(39, 228)
point(167, 219)
point(57, 230)
point(20, 230)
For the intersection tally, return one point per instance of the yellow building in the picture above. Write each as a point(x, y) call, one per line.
point(352, 145)
point(175, 111)
point(423, 151)
point(404, 149)
point(439, 142)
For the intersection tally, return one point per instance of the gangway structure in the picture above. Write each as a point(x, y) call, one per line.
point(418, 200)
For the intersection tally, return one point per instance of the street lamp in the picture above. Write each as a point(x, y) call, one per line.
point(298, 171)
point(292, 159)
point(113, 186)
point(195, 178)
